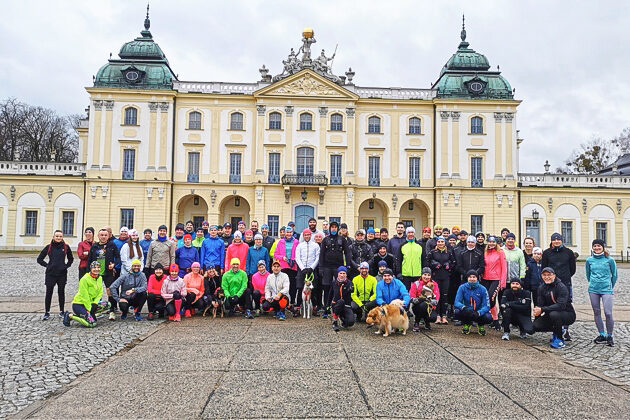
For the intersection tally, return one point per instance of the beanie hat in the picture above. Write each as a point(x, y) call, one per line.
point(205, 223)
point(452, 236)
point(136, 262)
point(471, 239)
point(235, 261)
point(173, 268)
point(333, 223)
point(305, 231)
point(440, 238)
point(364, 264)
point(195, 264)
point(549, 270)
point(598, 242)
point(264, 226)
point(426, 229)
point(258, 236)
point(249, 232)
point(492, 238)
point(463, 232)
point(510, 235)
point(371, 230)
point(410, 229)
point(188, 236)
point(556, 236)
point(382, 263)
point(288, 229)
point(343, 226)
point(388, 271)
point(516, 280)
point(147, 230)
point(238, 235)
point(436, 227)
point(455, 228)
point(426, 270)
point(227, 225)
point(163, 227)
point(537, 250)
point(261, 262)
point(472, 273)
point(342, 269)
point(240, 222)
point(95, 264)
point(124, 229)
point(158, 265)
point(179, 226)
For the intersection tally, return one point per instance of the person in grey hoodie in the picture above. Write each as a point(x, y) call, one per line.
point(162, 250)
point(130, 290)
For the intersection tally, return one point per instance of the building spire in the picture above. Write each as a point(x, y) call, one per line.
point(463, 44)
point(147, 22)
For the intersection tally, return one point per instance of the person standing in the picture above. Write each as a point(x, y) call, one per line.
point(361, 252)
point(256, 253)
point(442, 262)
point(334, 251)
point(145, 242)
point(267, 239)
point(410, 257)
point(198, 241)
point(83, 251)
point(494, 277)
point(106, 253)
point(119, 242)
point(312, 227)
point(59, 260)
point(601, 273)
point(237, 250)
point(131, 250)
point(213, 252)
point(307, 258)
point(528, 248)
point(162, 250)
point(394, 244)
point(533, 275)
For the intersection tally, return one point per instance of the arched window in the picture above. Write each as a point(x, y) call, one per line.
point(275, 121)
point(476, 125)
point(194, 120)
point(306, 121)
point(236, 121)
point(374, 125)
point(414, 125)
point(305, 161)
point(336, 122)
point(131, 116)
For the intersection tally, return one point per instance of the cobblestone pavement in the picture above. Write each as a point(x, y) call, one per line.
point(40, 357)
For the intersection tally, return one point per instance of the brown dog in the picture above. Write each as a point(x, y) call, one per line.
point(388, 318)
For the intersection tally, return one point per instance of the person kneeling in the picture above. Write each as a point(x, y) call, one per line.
point(341, 297)
point(425, 295)
point(471, 304)
point(553, 310)
point(194, 291)
point(173, 290)
point(155, 302)
point(276, 292)
point(364, 294)
point(234, 284)
point(516, 307)
point(133, 290)
point(87, 302)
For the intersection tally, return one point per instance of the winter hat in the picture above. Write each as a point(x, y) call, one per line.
point(598, 242)
point(471, 239)
point(478, 234)
point(556, 236)
point(516, 280)
point(426, 270)
point(452, 236)
point(360, 232)
point(249, 232)
point(264, 226)
point(549, 270)
point(426, 229)
point(238, 235)
point(240, 222)
point(179, 226)
point(440, 238)
point(342, 269)
point(364, 264)
point(333, 223)
point(133, 232)
point(235, 261)
point(388, 271)
point(195, 264)
point(370, 230)
point(472, 273)
point(124, 229)
point(288, 229)
point(492, 239)
point(455, 228)
point(463, 232)
point(227, 225)
point(382, 263)
point(163, 227)
point(188, 236)
point(136, 262)
point(343, 226)
point(147, 230)
point(158, 265)
point(95, 264)
point(291, 223)
point(305, 231)
point(436, 227)
point(537, 250)
point(261, 262)
point(510, 235)
point(173, 268)
point(410, 229)
point(205, 223)
point(258, 236)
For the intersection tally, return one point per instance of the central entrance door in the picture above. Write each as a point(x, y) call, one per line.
point(302, 214)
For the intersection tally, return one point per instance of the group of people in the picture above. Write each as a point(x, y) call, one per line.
point(444, 275)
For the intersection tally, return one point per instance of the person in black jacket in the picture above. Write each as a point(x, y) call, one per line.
point(470, 258)
point(442, 262)
point(334, 252)
point(268, 240)
point(516, 309)
point(59, 260)
point(341, 300)
point(361, 252)
point(394, 244)
point(554, 307)
point(381, 255)
point(106, 253)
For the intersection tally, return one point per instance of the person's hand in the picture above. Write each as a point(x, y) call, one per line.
point(85, 252)
point(129, 292)
point(447, 267)
point(438, 266)
point(285, 259)
point(434, 302)
point(222, 271)
point(537, 311)
point(477, 314)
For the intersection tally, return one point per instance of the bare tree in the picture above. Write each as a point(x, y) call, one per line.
point(591, 157)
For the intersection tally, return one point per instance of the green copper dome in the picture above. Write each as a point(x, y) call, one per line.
point(142, 65)
point(467, 75)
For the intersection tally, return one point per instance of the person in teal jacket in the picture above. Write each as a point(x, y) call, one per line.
point(256, 252)
point(87, 303)
point(390, 288)
point(601, 273)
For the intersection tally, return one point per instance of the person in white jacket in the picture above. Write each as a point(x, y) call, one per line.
point(130, 251)
point(307, 258)
point(276, 292)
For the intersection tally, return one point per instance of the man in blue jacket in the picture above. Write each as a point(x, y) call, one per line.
point(213, 252)
point(472, 304)
point(391, 288)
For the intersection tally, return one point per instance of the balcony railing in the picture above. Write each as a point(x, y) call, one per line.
point(476, 183)
point(414, 182)
point(274, 179)
point(573, 180)
point(235, 179)
point(335, 180)
point(41, 168)
point(374, 182)
point(193, 178)
point(291, 179)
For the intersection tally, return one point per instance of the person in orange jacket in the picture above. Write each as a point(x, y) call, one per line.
point(194, 290)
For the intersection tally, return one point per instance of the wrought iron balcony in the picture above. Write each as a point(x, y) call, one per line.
point(274, 179)
point(291, 179)
point(414, 182)
point(374, 182)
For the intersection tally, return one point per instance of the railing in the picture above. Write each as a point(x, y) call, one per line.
point(218, 87)
point(193, 178)
point(235, 179)
point(574, 180)
point(476, 183)
point(335, 180)
point(274, 179)
point(414, 182)
point(374, 182)
point(291, 179)
point(394, 93)
point(42, 168)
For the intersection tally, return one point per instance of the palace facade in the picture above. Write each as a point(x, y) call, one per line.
point(303, 143)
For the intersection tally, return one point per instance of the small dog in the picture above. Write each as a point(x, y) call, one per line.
point(389, 318)
point(220, 297)
point(307, 304)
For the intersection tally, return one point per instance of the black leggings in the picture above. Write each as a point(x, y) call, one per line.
point(292, 284)
point(423, 310)
point(553, 321)
point(521, 320)
point(170, 307)
point(81, 311)
point(137, 302)
point(344, 312)
point(443, 285)
point(156, 303)
point(190, 298)
point(245, 301)
point(51, 282)
point(256, 297)
point(491, 286)
point(453, 285)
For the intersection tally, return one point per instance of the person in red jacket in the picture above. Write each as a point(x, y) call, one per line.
point(424, 300)
point(83, 251)
point(155, 301)
point(494, 277)
point(238, 249)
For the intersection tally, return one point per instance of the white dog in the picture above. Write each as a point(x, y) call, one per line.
point(307, 304)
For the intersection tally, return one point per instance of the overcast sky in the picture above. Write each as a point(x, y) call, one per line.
point(568, 61)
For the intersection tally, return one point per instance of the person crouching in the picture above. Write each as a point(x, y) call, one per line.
point(173, 290)
point(87, 303)
point(194, 290)
point(133, 291)
point(341, 298)
point(425, 295)
point(277, 291)
point(516, 307)
point(472, 304)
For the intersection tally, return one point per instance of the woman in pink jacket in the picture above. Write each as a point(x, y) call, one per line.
point(238, 249)
point(424, 300)
point(285, 254)
point(259, 280)
point(494, 277)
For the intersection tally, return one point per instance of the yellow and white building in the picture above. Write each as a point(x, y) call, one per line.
point(304, 143)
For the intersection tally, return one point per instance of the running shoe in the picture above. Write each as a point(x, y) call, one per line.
point(427, 326)
point(416, 327)
point(150, 316)
point(123, 317)
point(506, 336)
point(46, 316)
point(496, 325)
point(112, 316)
point(601, 339)
point(466, 329)
point(567, 336)
point(61, 314)
point(523, 335)
point(66, 319)
point(335, 325)
point(557, 343)
point(187, 313)
point(281, 316)
point(481, 330)
point(138, 316)
point(248, 314)
point(609, 341)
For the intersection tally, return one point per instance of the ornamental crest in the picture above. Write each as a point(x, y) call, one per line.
point(307, 86)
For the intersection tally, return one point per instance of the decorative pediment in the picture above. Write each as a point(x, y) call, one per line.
point(306, 83)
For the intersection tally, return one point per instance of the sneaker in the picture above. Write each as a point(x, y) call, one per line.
point(275, 314)
point(66, 319)
point(324, 315)
point(258, 312)
point(335, 325)
point(523, 335)
point(171, 317)
point(112, 316)
point(416, 327)
point(496, 325)
point(61, 314)
point(505, 336)
point(481, 330)
point(46, 316)
point(557, 343)
point(187, 313)
point(296, 311)
point(567, 336)
point(151, 316)
point(427, 326)
point(609, 341)
point(138, 316)
point(281, 316)
point(601, 339)
point(458, 323)
point(123, 317)
point(177, 318)
point(466, 329)
point(248, 314)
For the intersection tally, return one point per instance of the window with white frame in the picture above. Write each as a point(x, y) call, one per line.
point(476, 172)
point(414, 171)
point(306, 121)
point(273, 222)
point(335, 170)
point(129, 163)
point(374, 169)
point(532, 228)
point(566, 229)
point(476, 224)
point(131, 116)
point(415, 126)
point(601, 231)
point(235, 168)
point(30, 223)
point(274, 168)
point(476, 125)
point(275, 121)
point(194, 120)
point(67, 223)
point(305, 161)
point(236, 121)
point(126, 218)
point(336, 122)
point(374, 125)
point(193, 166)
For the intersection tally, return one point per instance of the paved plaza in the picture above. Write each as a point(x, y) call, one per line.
point(237, 368)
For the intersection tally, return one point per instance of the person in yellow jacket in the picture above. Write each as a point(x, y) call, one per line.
point(364, 293)
point(88, 301)
point(410, 256)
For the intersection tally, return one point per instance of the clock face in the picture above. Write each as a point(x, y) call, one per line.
point(476, 87)
point(132, 75)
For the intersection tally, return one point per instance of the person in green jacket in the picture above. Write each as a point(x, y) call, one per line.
point(198, 241)
point(364, 293)
point(410, 255)
point(88, 301)
point(515, 258)
point(234, 285)
point(601, 273)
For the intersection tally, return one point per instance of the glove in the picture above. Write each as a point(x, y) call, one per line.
point(504, 306)
point(177, 295)
point(447, 267)
point(434, 302)
point(438, 266)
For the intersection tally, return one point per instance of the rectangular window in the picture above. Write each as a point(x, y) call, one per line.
point(305, 161)
point(414, 172)
point(129, 163)
point(567, 232)
point(193, 167)
point(234, 221)
point(273, 222)
point(368, 223)
point(335, 170)
point(532, 228)
point(336, 122)
point(274, 168)
point(407, 223)
point(476, 174)
point(476, 224)
point(30, 224)
point(306, 121)
point(601, 231)
point(126, 218)
point(67, 223)
point(334, 219)
point(374, 177)
point(235, 168)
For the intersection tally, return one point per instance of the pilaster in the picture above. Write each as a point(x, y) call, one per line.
point(498, 145)
point(455, 152)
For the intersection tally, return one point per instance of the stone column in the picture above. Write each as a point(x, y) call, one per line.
point(498, 145)
point(109, 111)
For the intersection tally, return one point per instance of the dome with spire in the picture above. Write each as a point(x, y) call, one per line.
point(467, 74)
point(142, 65)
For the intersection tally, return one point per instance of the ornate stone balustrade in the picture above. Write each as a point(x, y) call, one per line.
point(42, 168)
point(574, 180)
